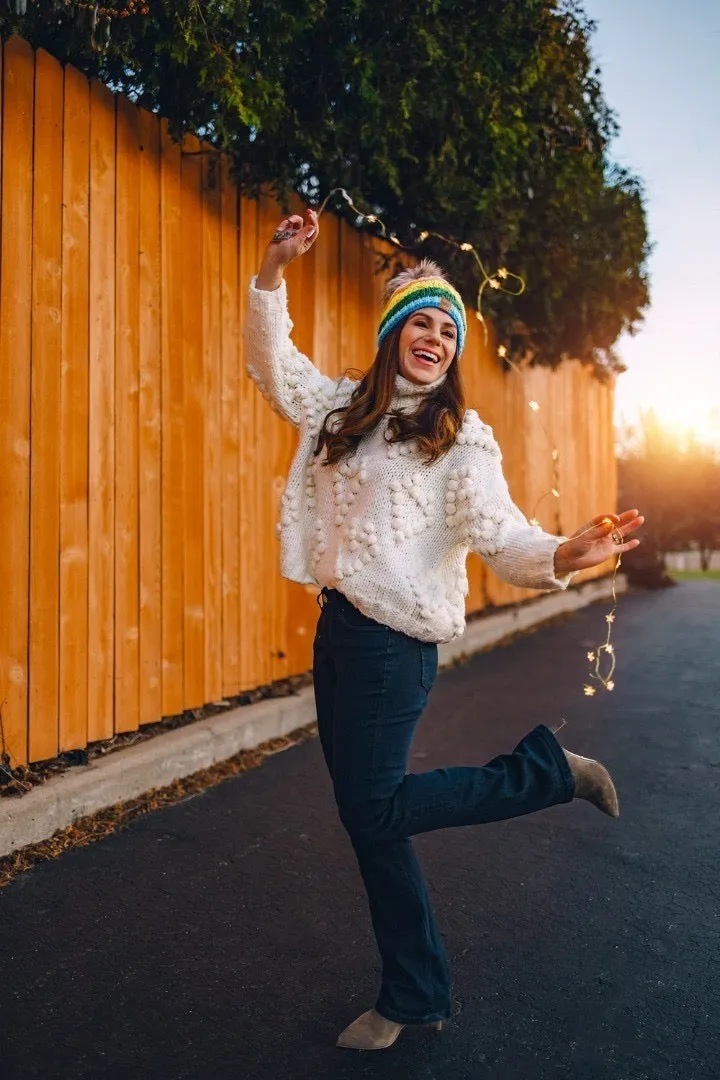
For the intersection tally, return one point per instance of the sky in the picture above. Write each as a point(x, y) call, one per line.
point(660, 73)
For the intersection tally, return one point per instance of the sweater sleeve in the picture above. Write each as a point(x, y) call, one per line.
point(289, 381)
point(518, 552)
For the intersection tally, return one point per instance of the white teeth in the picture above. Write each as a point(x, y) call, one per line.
point(426, 356)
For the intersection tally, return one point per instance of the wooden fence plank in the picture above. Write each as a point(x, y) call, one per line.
point(211, 308)
point(15, 343)
point(231, 376)
point(74, 421)
point(300, 610)
point(479, 392)
point(45, 418)
point(251, 568)
point(127, 388)
point(194, 426)
point(269, 493)
point(150, 421)
point(173, 416)
point(327, 310)
point(101, 470)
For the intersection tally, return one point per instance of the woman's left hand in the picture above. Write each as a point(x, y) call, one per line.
point(597, 541)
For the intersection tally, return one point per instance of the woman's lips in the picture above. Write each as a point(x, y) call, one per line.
point(424, 356)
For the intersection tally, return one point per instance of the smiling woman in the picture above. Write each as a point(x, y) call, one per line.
point(393, 483)
point(427, 345)
point(420, 339)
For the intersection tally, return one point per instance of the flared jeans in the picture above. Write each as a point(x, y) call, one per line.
point(371, 686)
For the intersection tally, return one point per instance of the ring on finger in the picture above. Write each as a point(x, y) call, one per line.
point(617, 536)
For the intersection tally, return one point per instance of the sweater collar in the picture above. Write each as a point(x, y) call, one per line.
point(408, 393)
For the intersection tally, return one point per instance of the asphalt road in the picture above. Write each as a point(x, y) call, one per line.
point(227, 936)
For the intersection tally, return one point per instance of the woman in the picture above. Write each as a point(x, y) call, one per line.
point(392, 484)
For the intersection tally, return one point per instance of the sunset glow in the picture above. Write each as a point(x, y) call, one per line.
point(649, 54)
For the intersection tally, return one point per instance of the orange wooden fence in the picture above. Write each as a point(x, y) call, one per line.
point(140, 470)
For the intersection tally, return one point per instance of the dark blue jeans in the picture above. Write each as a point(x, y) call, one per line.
point(371, 686)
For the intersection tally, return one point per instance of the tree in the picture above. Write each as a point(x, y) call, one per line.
point(484, 122)
point(700, 525)
point(675, 481)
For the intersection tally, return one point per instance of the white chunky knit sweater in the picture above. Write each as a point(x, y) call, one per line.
point(387, 530)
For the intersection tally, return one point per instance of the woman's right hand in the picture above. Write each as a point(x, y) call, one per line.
point(303, 233)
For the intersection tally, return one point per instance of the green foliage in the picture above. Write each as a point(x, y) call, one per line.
point(484, 122)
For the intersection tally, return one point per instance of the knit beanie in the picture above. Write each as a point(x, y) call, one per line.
point(421, 286)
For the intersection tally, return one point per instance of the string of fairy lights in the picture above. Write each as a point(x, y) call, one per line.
point(602, 659)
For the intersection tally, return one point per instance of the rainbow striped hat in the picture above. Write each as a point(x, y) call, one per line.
point(424, 292)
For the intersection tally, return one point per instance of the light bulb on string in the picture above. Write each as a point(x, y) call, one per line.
point(495, 281)
point(603, 658)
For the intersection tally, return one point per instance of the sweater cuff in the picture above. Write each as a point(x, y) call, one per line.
point(558, 582)
point(530, 555)
point(274, 300)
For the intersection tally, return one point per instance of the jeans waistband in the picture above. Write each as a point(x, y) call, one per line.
point(330, 596)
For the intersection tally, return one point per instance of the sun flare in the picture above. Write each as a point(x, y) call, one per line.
point(688, 419)
point(686, 414)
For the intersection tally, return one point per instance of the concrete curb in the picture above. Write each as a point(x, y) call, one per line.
point(161, 760)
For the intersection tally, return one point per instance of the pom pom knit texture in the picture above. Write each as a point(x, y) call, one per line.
point(384, 528)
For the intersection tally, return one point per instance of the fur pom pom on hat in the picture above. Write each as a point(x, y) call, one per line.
point(417, 287)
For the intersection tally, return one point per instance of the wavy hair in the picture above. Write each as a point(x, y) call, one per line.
point(437, 419)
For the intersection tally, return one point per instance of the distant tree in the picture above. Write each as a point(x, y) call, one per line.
point(699, 526)
point(675, 482)
point(483, 121)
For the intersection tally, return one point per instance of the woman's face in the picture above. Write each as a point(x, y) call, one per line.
point(428, 340)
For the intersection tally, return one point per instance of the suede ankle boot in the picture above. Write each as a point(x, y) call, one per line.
point(371, 1031)
point(593, 783)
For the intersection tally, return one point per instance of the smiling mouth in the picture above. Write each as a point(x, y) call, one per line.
point(426, 357)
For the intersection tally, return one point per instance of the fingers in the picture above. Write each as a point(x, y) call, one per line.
point(628, 515)
point(603, 526)
point(295, 222)
point(311, 224)
point(622, 524)
point(296, 227)
point(292, 222)
point(617, 519)
point(630, 525)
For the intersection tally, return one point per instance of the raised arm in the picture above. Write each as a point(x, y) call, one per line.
point(284, 376)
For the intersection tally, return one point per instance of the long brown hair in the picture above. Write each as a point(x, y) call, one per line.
point(434, 424)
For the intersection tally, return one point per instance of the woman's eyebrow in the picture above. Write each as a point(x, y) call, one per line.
point(445, 324)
